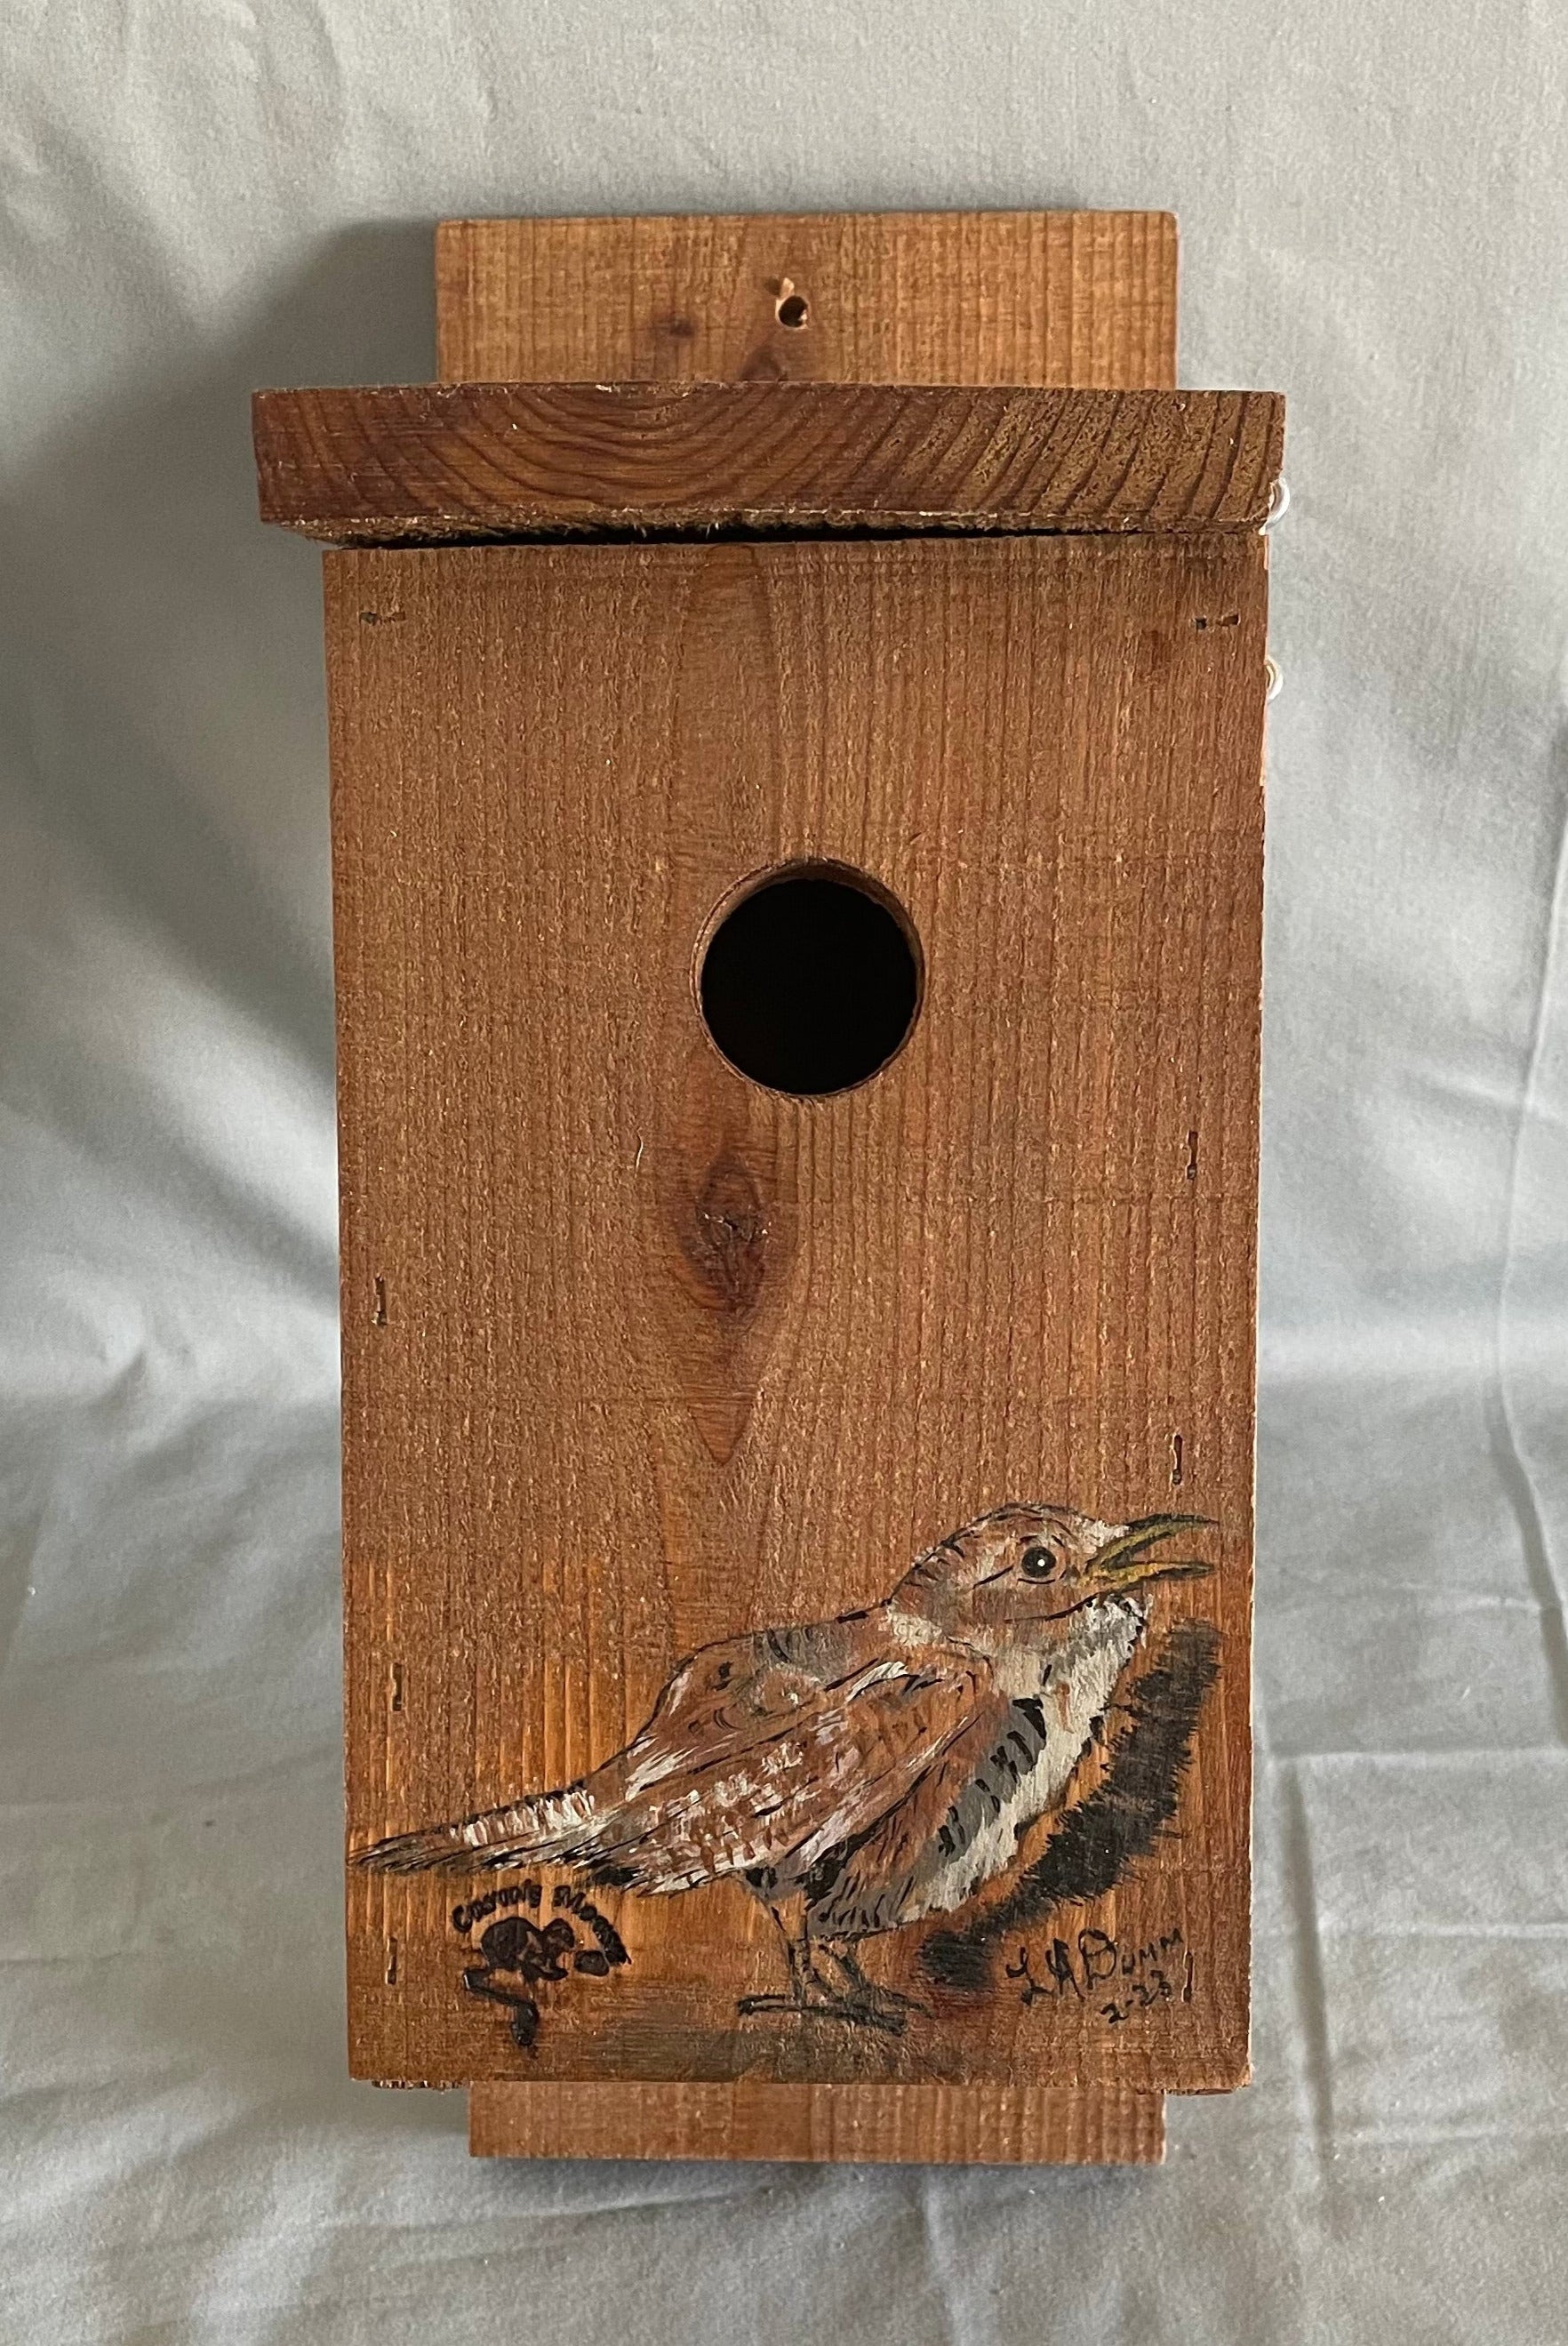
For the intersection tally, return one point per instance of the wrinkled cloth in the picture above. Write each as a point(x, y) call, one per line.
point(206, 198)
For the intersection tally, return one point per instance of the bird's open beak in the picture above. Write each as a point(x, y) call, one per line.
point(1125, 1559)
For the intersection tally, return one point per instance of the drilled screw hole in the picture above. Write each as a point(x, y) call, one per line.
point(793, 310)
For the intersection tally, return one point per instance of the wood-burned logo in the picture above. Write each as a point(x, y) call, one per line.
point(522, 1954)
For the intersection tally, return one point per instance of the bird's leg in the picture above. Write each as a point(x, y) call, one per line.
point(889, 2001)
point(810, 1993)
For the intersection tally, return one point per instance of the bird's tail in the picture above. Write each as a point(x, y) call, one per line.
point(547, 1825)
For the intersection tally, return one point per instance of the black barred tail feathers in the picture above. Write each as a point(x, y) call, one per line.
point(551, 1825)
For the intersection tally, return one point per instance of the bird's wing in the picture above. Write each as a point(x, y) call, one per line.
point(956, 1827)
point(758, 1754)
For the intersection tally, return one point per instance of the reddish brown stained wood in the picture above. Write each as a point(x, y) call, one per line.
point(423, 463)
point(574, 1453)
point(936, 298)
point(1082, 299)
point(997, 2126)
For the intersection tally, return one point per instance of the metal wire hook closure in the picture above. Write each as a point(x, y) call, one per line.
point(1278, 507)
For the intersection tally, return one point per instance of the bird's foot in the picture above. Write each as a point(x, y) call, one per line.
point(889, 2001)
point(824, 2005)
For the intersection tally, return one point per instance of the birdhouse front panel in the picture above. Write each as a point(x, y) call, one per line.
point(799, 1008)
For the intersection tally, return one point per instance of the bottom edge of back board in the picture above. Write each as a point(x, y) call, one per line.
point(1073, 2125)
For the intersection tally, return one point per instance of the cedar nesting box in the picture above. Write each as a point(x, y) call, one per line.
point(797, 694)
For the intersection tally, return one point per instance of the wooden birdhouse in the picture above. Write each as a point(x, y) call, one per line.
point(797, 695)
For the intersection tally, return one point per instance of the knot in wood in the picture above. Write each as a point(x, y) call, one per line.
point(725, 1240)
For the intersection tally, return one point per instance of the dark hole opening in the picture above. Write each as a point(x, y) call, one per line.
point(811, 983)
point(793, 310)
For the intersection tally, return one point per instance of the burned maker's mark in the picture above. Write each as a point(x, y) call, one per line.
point(520, 1953)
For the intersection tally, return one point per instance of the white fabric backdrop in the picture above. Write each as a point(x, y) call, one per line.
point(207, 196)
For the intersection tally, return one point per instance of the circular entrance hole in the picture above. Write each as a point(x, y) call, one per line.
point(811, 980)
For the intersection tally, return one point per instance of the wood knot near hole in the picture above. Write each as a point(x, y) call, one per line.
point(726, 1240)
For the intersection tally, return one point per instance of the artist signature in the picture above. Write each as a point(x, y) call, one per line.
point(518, 1954)
point(1118, 1981)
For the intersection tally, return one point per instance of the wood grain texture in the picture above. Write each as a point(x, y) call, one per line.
point(1017, 1263)
point(1081, 300)
point(998, 2125)
point(1085, 299)
point(419, 464)
point(1075, 298)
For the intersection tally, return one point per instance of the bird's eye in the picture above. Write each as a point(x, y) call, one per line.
point(1037, 1563)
